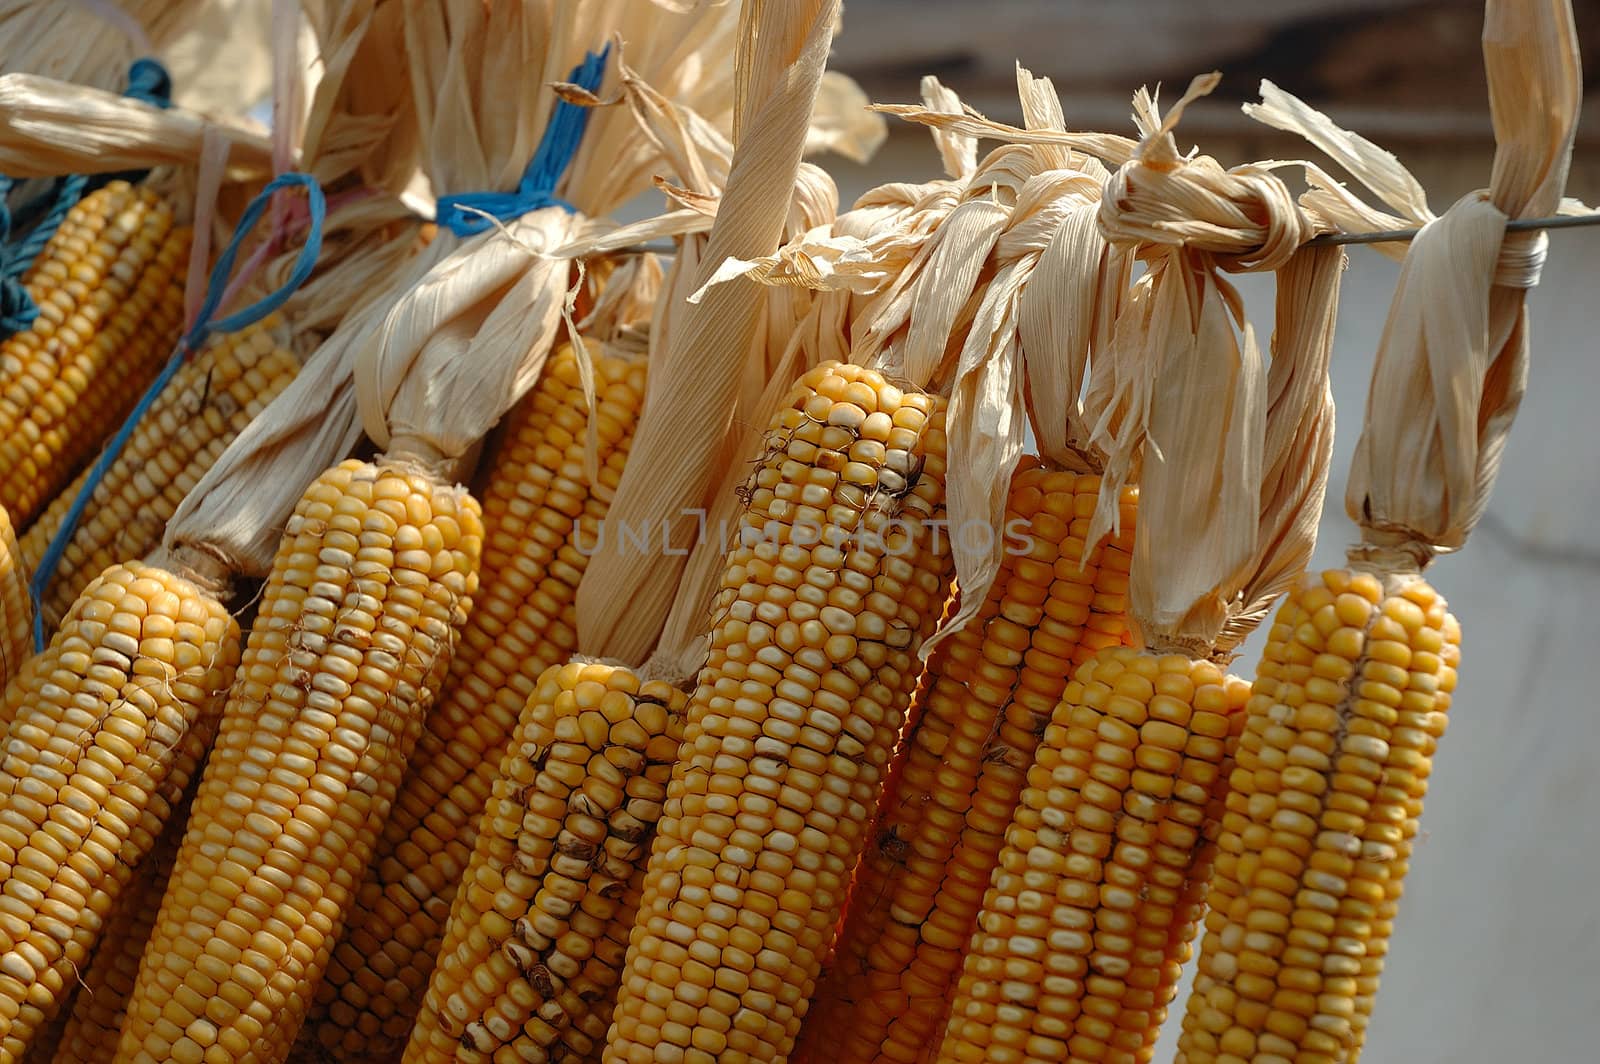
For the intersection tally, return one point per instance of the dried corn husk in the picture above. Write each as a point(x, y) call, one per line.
point(625, 597)
point(50, 127)
point(92, 42)
point(992, 285)
point(1453, 361)
point(1229, 456)
point(451, 340)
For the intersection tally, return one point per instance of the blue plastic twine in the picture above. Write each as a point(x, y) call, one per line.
point(148, 82)
point(561, 140)
point(198, 333)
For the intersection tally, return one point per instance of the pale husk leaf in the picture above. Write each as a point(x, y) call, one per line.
point(1230, 460)
point(1378, 170)
point(485, 314)
point(1453, 359)
point(1299, 433)
point(360, 118)
point(92, 42)
point(221, 58)
point(842, 122)
point(1200, 480)
point(625, 597)
point(50, 127)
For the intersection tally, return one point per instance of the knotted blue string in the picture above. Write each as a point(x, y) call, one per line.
point(198, 333)
point(148, 82)
point(561, 140)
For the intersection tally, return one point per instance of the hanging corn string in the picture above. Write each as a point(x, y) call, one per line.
point(202, 327)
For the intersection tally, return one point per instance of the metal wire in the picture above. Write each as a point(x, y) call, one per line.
point(1382, 236)
point(1520, 225)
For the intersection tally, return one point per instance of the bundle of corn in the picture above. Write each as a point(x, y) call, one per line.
point(835, 578)
point(1352, 693)
point(210, 400)
point(524, 1005)
point(375, 982)
point(104, 727)
point(1051, 601)
point(435, 365)
point(1113, 828)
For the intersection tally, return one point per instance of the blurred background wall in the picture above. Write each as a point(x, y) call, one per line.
point(1496, 957)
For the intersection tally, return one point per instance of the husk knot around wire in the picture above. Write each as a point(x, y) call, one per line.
point(1245, 217)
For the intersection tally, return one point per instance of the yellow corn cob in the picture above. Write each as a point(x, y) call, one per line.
point(209, 402)
point(1348, 705)
point(990, 689)
point(107, 727)
point(538, 932)
point(109, 286)
point(540, 516)
point(94, 1020)
point(352, 637)
point(1088, 920)
point(792, 724)
point(16, 612)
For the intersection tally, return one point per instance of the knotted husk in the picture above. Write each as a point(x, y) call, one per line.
point(443, 346)
point(1229, 455)
point(626, 596)
point(1453, 359)
point(50, 127)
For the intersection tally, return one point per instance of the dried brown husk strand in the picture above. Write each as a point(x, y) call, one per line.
point(1230, 457)
point(50, 127)
point(1453, 360)
point(625, 596)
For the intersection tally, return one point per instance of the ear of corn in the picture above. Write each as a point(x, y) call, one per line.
point(1088, 920)
point(109, 286)
point(538, 931)
point(1348, 705)
point(209, 402)
point(107, 726)
point(16, 611)
point(94, 1019)
point(990, 690)
point(792, 724)
point(352, 638)
point(540, 517)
